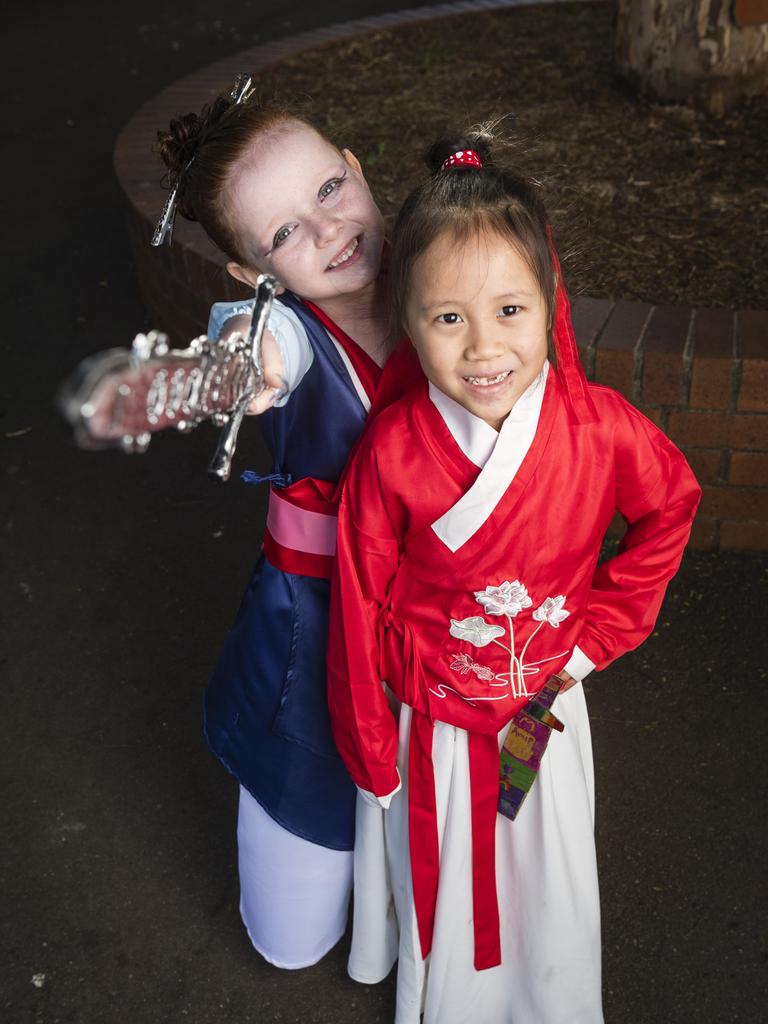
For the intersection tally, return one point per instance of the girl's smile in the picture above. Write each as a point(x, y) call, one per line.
point(478, 321)
point(487, 382)
point(351, 252)
point(307, 215)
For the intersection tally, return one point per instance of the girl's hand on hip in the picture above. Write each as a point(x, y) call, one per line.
point(568, 681)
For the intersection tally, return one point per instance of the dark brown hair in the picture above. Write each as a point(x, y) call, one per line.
point(215, 140)
point(467, 200)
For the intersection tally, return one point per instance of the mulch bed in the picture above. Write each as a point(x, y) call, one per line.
point(652, 203)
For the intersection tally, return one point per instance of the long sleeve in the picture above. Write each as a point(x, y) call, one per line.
point(363, 724)
point(657, 494)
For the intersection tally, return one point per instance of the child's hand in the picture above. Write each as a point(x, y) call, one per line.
point(274, 376)
point(568, 681)
point(274, 371)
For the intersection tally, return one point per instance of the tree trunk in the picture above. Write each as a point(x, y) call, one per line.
point(707, 53)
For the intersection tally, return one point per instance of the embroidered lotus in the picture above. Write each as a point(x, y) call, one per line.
point(475, 629)
point(464, 664)
point(506, 599)
point(552, 611)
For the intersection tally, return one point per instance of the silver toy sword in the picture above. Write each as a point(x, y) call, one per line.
point(120, 397)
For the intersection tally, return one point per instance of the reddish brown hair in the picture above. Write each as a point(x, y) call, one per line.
point(215, 140)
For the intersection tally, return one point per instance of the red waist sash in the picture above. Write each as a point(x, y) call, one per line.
point(422, 807)
point(424, 845)
point(300, 535)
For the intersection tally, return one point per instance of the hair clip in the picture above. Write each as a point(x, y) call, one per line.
point(241, 91)
point(164, 229)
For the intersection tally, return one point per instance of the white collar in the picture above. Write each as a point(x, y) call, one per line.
point(476, 438)
point(510, 446)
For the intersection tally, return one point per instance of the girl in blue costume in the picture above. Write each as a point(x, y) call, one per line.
point(277, 197)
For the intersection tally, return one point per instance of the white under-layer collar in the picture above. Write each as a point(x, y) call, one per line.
point(471, 511)
point(476, 438)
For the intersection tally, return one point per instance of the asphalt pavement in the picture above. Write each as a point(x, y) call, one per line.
point(121, 575)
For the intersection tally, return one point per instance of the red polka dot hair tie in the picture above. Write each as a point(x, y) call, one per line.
point(462, 157)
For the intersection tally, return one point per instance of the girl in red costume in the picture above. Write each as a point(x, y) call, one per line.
point(467, 575)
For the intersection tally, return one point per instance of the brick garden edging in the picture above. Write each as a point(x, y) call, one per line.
point(700, 374)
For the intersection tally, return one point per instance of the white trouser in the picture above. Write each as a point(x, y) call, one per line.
point(294, 895)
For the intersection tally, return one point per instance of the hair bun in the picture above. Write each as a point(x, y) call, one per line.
point(182, 140)
point(479, 141)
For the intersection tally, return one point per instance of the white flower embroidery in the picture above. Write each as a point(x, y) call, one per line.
point(475, 629)
point(552, 611)
point(508, 599)
point(461, 663)
point(464, 664)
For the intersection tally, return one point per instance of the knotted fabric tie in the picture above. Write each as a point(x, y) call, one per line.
point(401, 666)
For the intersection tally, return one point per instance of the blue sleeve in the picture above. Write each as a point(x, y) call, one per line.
point(286, 328)
point(223, 311)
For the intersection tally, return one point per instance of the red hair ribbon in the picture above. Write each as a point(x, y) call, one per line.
point(462, 157)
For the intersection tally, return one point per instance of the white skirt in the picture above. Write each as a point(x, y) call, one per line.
point(546, 876)
point(294, 895)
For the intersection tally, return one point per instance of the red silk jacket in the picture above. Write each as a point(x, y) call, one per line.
point(463, 637)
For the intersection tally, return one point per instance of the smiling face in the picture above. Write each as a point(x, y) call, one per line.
point(478, 320)
point(304, 213)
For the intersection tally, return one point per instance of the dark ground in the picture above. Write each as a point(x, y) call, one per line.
point(119, 895)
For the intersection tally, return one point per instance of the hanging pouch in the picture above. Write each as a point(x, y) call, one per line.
point(524, 747)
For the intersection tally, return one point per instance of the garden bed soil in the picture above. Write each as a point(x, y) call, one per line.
point(655, 203)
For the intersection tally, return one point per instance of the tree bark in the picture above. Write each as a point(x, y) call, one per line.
point(700, 52)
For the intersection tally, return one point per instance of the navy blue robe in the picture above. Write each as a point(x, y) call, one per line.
point(266, 709)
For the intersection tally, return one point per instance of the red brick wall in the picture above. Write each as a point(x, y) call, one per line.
point(750, 12)
point(700, 374)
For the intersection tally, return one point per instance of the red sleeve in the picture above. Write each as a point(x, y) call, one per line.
point(657, 494)
point(363, 724)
